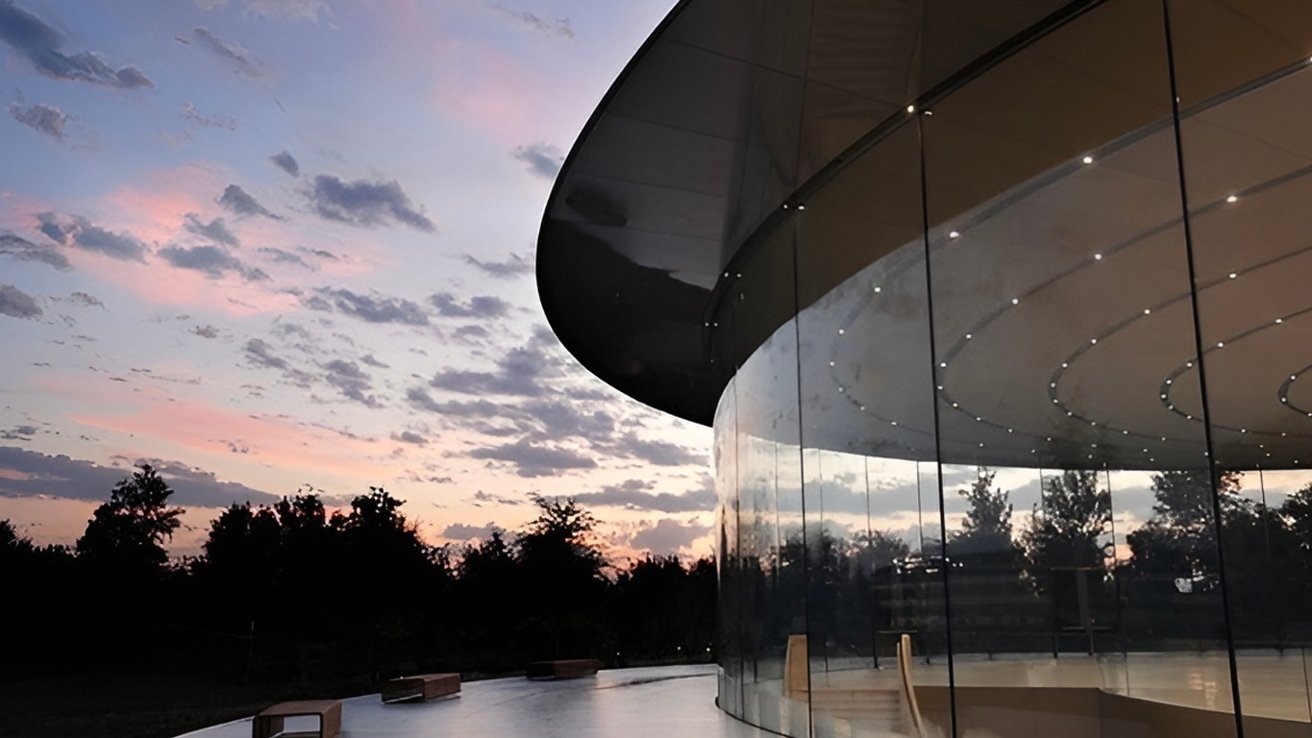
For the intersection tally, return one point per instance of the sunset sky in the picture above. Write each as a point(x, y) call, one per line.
point(272, 245)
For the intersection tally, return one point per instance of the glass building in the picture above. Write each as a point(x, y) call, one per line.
point(1001, 313)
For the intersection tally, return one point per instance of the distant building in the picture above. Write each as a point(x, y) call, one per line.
point(898, 250)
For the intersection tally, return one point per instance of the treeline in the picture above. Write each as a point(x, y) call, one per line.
point(1210, 566)
point(294, 592)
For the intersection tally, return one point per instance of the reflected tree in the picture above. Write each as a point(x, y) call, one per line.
point(1068, 530)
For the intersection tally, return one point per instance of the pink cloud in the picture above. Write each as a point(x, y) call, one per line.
point(195, 425)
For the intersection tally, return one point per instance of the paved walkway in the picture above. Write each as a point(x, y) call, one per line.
point(673, 701)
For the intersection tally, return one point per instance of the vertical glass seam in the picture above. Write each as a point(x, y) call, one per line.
point(1202, 373)
point(938, 456)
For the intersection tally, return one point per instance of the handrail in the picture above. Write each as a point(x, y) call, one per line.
point(909, 705)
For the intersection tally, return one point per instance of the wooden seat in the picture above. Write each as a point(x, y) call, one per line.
point(563, 669)
point(421, 687)
point(269, 723)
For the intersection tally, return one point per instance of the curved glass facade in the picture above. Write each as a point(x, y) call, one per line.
point(1025, 378)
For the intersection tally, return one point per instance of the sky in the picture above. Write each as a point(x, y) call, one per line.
point(274, 246)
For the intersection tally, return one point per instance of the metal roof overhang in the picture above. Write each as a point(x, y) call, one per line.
point(725, 112)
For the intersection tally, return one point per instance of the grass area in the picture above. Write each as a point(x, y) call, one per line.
point(115, 705)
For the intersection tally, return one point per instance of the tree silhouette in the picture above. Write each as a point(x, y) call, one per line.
point(986, 529)
point(1180, 539)
point(561, 566)
point(1067, 530)
point(129, 532)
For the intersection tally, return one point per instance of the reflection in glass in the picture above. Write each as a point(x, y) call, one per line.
point(1019, 383)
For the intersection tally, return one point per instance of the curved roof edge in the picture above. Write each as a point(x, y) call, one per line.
point(724, 113)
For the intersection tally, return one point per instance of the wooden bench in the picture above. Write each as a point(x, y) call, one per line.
point(563, 669)
point(420, 688)
point(269, 723)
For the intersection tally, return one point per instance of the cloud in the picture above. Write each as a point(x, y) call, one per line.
point(660, 453)
point(32, 474)
point(40, 44)
point(479, 306)
point(514, 266)
point(351, 381)
point(371, 361)
point(215, 230)
point(471, 333)
point(361, 203)
point(85, 300)
point(206, 331)
point(462, 532)
point(533, 22)
point(318, 253)
point(45, 119)
point(410, 437)
point(533, 460)
point(213, 261)
point(300, 10)
point(422, 400)
point(376, 308)
point(233, 53)
point(634, 495)
point(24, 250)
point(260, 353)
point(669, 536)
point(239, 202)
point(543, 159)
point(17, 304)
point(278, 256)
point(518, 373)
point(213, 120)
point(81, 233)
point(286, 162)
point(556, 419)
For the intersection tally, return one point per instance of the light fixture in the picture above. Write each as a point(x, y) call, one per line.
point(1220, 344)
point(841, 331)
point(953, 234)
point(1232, 199)
point(1093, 340)
point(1087, 160)
point(1232, 275)
point(911, 108)
point(1015, 301)
point(801, 206)
point(1279, 321)
point(968, 336)
point(878, 289)
point(1147, 311)
point(1097, 257)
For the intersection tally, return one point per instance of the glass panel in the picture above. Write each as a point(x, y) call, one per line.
point(757, 297)
point(1060, 281)
point(727, 560)
point(1244, 117)
point(871, 492)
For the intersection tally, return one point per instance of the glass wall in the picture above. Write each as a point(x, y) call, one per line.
point(1023, 381)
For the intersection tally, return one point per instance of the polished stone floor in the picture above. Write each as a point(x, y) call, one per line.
point(671, 701)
